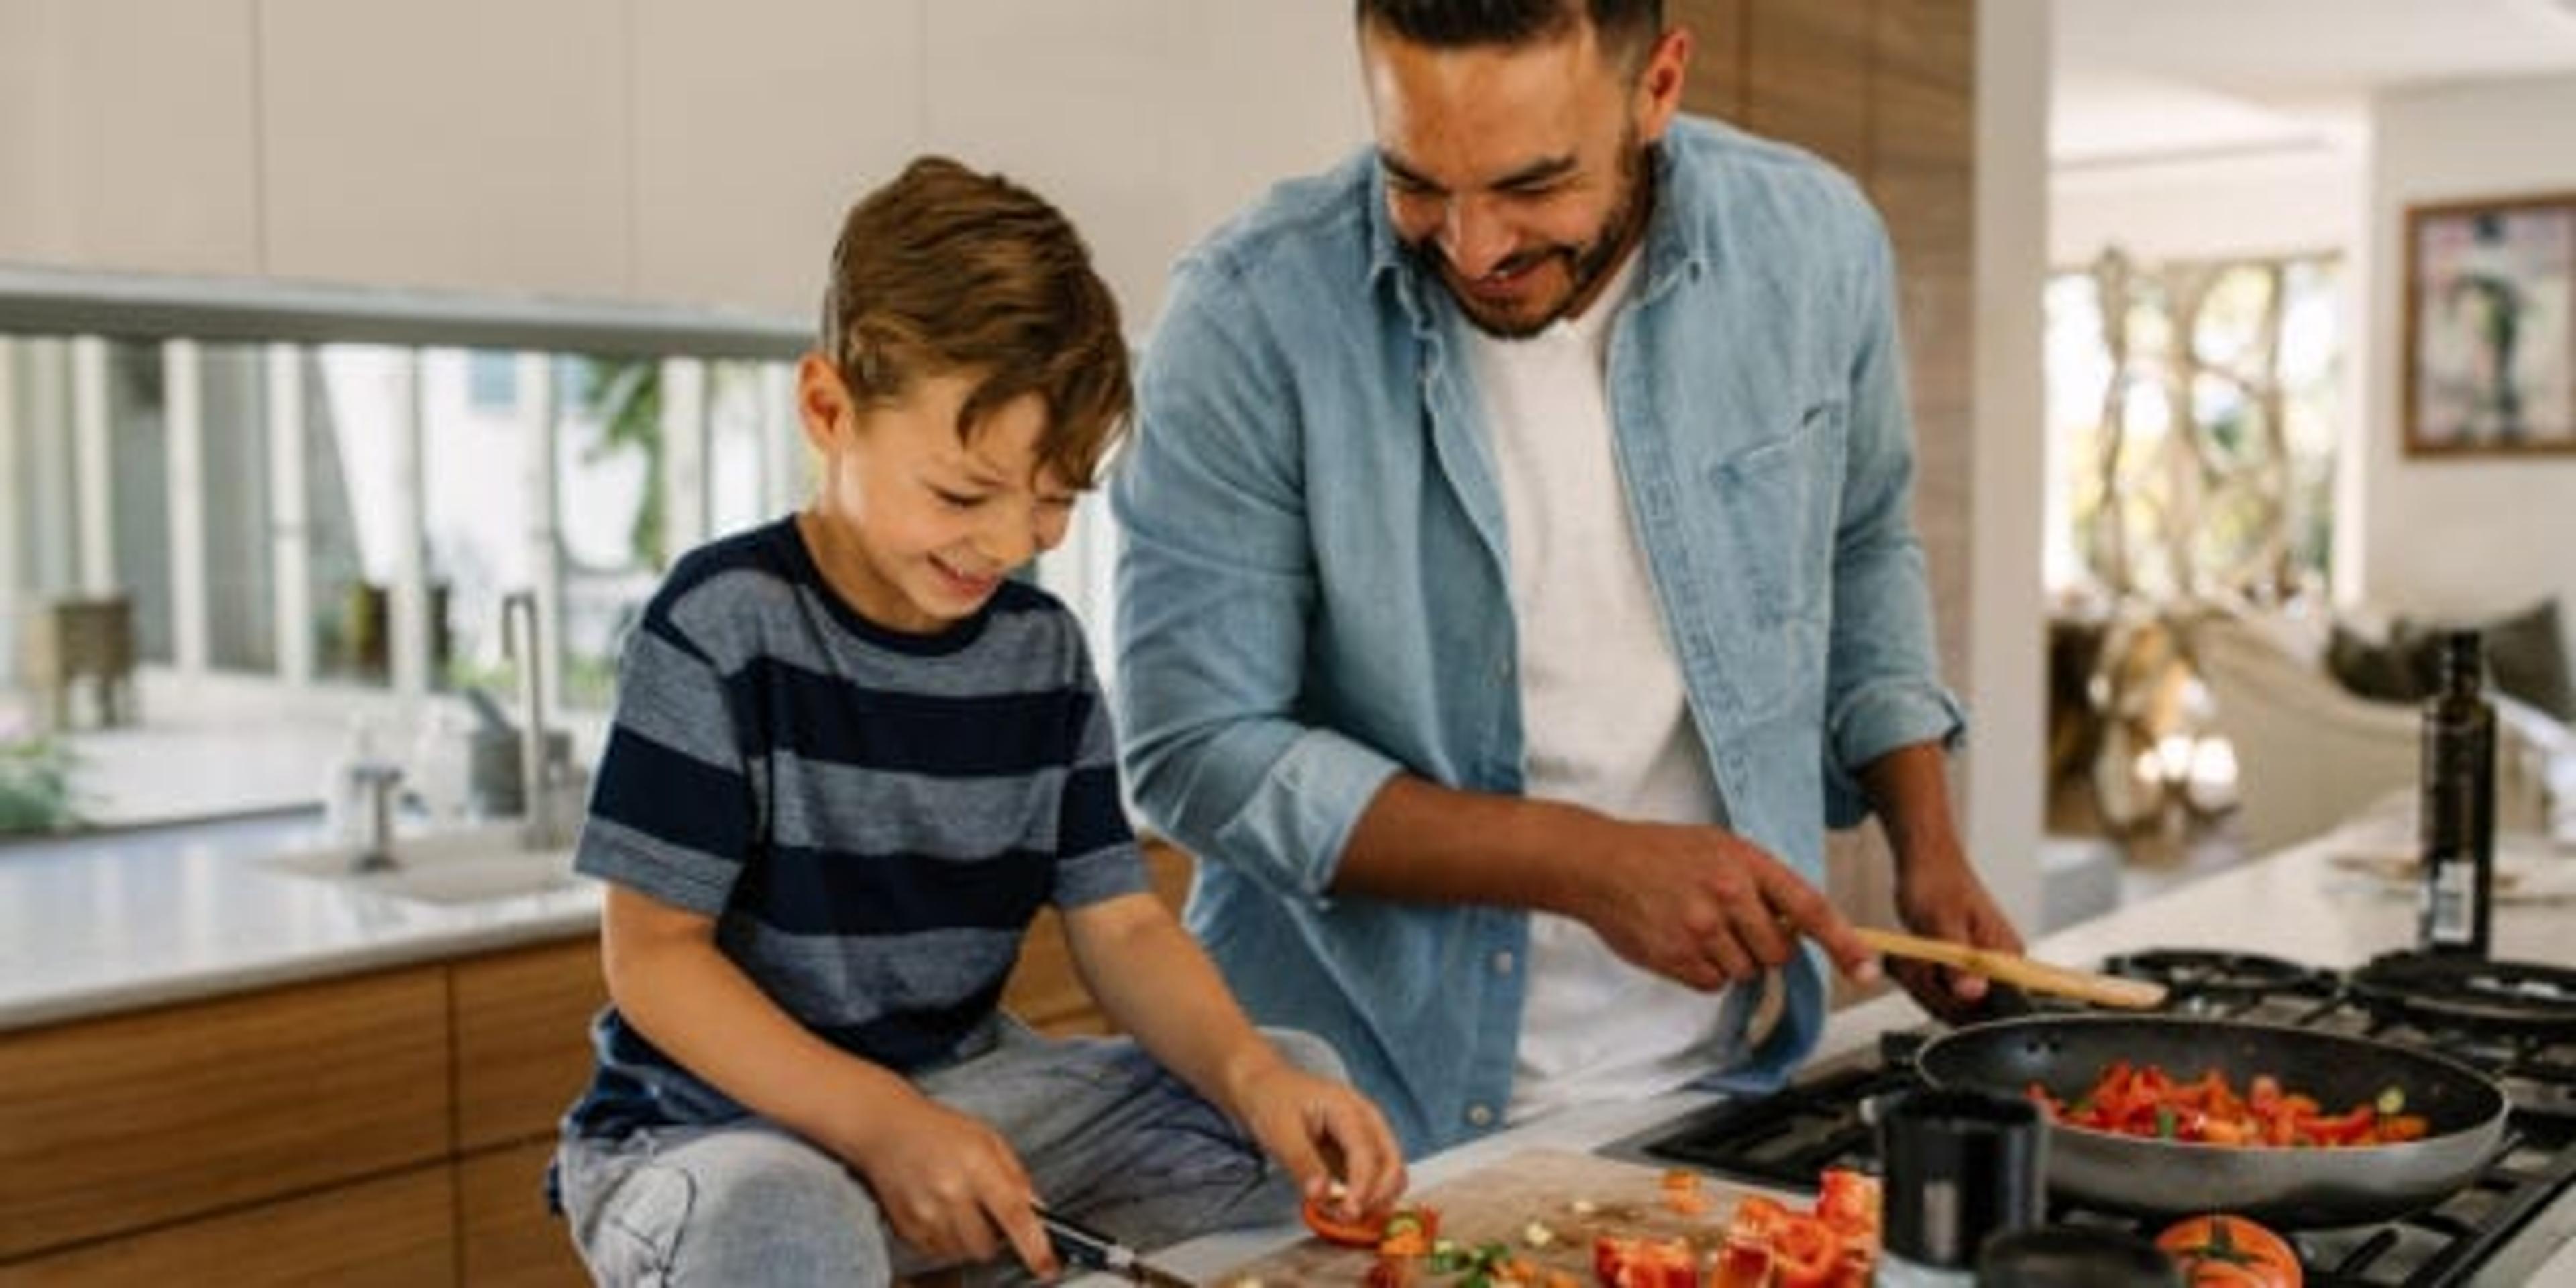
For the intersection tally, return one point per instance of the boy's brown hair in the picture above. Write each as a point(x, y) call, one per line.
point(946, 270)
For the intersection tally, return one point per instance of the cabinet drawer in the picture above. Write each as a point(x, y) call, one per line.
point(136, 1120)
point(392, 1232)
point(506, 1237)
point(523, 1039)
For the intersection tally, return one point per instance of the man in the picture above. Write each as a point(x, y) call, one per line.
point(1517, 580)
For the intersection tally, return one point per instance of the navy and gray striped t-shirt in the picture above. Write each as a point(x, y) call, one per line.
point(872, 817)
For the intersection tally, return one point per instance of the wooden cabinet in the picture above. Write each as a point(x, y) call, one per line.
point(505, 1237)
point(522, 1054)
point(138, 1120)
point(391, 1128)
point(393, 1231)
point(522, 1039)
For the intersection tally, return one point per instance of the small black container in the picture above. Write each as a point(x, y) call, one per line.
point(2074, 1256)
point(1960, 1166)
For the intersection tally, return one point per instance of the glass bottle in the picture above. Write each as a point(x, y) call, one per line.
point(2458, 805)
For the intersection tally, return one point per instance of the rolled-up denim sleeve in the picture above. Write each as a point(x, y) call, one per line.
point(1883, 685)
point(1215, 587)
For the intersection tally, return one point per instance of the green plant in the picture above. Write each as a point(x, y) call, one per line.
point(625, 394)
point(36, 785)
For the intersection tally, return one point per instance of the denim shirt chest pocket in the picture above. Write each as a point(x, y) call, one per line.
point(1777, 504)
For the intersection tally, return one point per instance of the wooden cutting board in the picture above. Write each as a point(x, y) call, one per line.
point(1500, 1200)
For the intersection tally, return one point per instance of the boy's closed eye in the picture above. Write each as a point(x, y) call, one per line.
point(959, 500)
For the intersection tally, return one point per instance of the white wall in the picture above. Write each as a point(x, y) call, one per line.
point(2461, 534)
point(666, 150)
point(2004, 805)
point(2270, 203)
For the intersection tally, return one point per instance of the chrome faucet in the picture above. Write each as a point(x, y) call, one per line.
point(542, 778)
point(371, 783)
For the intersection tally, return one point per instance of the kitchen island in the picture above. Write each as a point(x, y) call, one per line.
point(213, 1060)
point(218, 1053)
point(116, 921)
point(2314, 903)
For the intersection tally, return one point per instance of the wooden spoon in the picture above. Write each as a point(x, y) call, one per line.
point(2020, 972)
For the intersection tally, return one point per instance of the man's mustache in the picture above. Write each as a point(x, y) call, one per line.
point(1428, 251)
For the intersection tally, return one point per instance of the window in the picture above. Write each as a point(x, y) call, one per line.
point(239, 517)
point(613, 509)
point(138, 439)
point(2191, 415)
point(477, 437)
point(355, 511)
point(2191, 422)
point(316, 499)
point(752, 442)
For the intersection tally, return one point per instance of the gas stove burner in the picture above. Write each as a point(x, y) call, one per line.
point(2470, 992)
point(2200, 972)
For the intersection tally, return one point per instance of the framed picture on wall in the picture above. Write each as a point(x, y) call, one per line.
point(2491, 326)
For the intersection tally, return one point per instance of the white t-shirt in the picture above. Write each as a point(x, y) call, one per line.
point(1606, 720)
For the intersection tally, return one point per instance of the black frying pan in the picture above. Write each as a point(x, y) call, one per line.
point(2292, 1188)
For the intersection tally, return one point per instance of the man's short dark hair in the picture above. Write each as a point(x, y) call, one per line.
point(1625, 25)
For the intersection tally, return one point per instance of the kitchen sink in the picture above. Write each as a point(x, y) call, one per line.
point(471, 865)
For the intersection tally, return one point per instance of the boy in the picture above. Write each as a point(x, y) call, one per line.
point(851, 759)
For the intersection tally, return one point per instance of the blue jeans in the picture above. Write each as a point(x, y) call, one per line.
point(1108, 1137)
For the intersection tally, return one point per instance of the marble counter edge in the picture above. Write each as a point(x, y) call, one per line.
point(570, 917)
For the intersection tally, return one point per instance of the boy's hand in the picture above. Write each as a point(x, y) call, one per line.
point(1311, 1124)
point(948, 1183)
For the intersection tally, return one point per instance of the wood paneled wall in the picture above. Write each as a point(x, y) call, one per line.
point(1884, 89)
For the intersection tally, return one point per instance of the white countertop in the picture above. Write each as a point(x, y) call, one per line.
point(2299, 904)
point(113, 922)
point(118, 923)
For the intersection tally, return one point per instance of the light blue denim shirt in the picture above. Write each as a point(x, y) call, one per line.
point(1312, 594)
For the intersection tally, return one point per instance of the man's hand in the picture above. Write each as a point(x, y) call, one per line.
point(950, 1185)
point(1325, 1134)
point(1939, 895)
point(1706, 907)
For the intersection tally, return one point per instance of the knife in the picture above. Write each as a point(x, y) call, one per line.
point(1082, 1247)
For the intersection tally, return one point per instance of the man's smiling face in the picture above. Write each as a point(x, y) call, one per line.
point(1518, 173)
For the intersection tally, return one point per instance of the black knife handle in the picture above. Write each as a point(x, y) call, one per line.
point(1077, 1244)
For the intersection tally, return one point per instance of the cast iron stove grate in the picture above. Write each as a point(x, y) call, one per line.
point(2478, 1235)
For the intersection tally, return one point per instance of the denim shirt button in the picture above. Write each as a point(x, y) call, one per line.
point(1480, 1115)
point(1503, 962)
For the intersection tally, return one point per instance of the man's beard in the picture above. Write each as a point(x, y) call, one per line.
point(1585, 265)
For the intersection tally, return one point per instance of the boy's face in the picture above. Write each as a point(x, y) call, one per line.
point(1516, 172)
point(917, 528)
